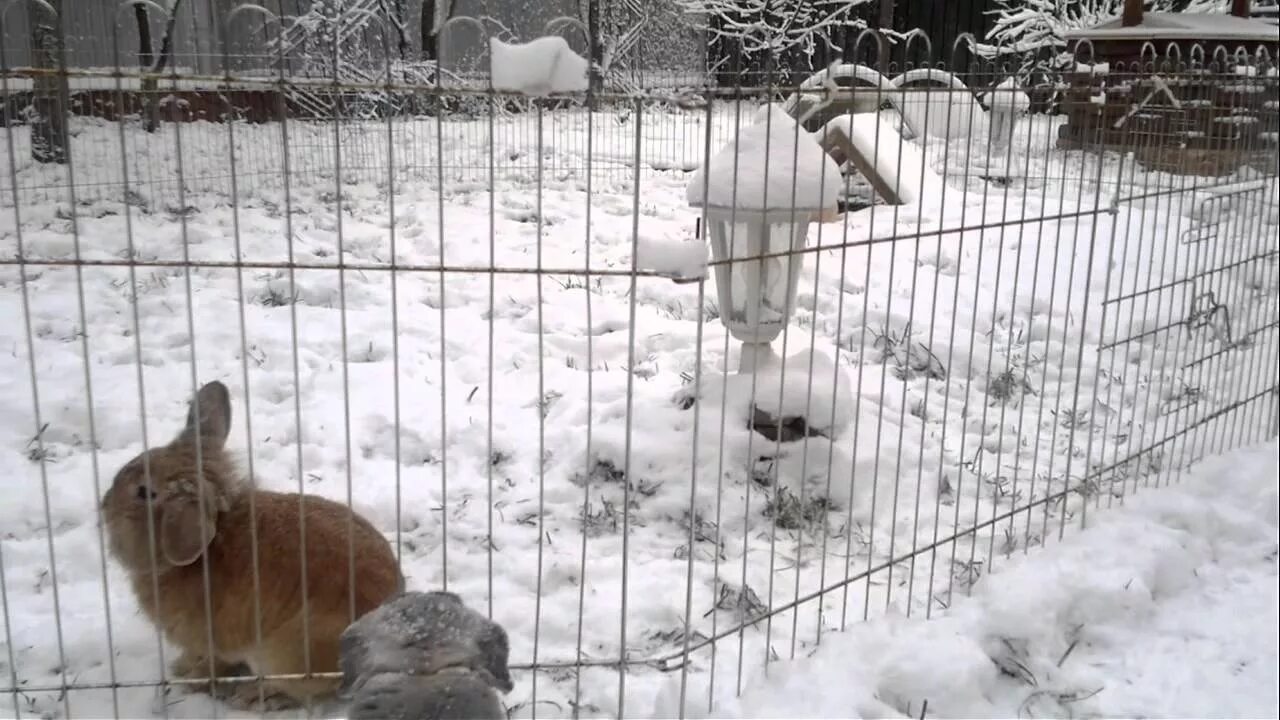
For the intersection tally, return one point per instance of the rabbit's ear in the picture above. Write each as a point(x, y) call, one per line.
point(182, 534)
point(212, 406)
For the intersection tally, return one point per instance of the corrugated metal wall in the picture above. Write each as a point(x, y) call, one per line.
point(95, 28)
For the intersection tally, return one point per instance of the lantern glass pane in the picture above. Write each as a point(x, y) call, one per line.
point(756, 293)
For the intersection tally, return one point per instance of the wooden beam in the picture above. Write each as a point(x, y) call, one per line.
point(837, 144)
point(1241, 8)
point(1132, 13)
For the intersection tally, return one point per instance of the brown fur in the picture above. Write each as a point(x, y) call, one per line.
point(334, 535)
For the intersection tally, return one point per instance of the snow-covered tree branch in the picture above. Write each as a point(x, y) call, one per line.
point(777, 26)
point(1033, 31)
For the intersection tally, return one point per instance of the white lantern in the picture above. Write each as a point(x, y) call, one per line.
point(1007, 102)
point(757, 268)
point(760, 194)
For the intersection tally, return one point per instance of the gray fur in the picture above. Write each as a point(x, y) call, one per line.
point(451, 695)
point(424, 655)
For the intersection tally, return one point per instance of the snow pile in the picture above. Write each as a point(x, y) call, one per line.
point(1007, 97)
point(775, 163)
point(1165, 607)
point(809, 386)
point(936, 104)
point(539, 67)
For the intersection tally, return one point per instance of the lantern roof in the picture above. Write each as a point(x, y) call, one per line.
point(779, 169)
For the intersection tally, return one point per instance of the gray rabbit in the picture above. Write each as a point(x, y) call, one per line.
point(447, 695)
point(423, 656)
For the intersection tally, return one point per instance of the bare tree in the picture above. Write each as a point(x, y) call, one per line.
point(48, 119)
point(394, 11)
point(595, 48)
point(145, 48)
point(434, 15)
point(166, 45)
point(153, 63)
point(1032, 33)
point(773, 37)
point(776, 26)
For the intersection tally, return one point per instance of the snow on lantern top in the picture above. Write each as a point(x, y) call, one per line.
point(778, 166)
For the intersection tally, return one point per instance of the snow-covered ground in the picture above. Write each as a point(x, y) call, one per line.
point(1166, 607)
point(519, 435)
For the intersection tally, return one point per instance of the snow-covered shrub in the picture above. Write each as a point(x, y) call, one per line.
point(359, 42)
point(790, 32)
point(772, 25)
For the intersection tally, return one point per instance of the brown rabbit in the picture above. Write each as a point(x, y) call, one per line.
point(199, 506)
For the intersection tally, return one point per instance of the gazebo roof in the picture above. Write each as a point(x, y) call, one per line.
point(1181, 26)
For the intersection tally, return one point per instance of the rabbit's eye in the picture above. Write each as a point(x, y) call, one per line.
point(145, 493)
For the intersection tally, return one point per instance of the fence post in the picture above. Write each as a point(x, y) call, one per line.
point(886, 24)
point(594, 48)
point(48, 101)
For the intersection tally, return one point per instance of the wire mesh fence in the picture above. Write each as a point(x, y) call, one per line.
point(468, 317)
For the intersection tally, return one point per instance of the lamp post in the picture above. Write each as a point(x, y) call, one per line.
point(759, 194)
point(1007, 102)
point(757, 269)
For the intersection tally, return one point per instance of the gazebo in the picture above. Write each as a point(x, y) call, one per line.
point(1187, 93)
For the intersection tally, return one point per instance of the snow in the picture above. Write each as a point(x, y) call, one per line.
point(489, 469)
point(868, 88)
point(810, 386)
point(1094, 69)
point(1166, 607)
point(539, 67)
point(899, 162)
point(1181, 26)
point(1007, 97)
point(935, 103)
point(785, 25)
point(680, 259)
point(773, 164)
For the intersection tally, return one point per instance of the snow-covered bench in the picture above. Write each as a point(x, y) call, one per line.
point(928, 103)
